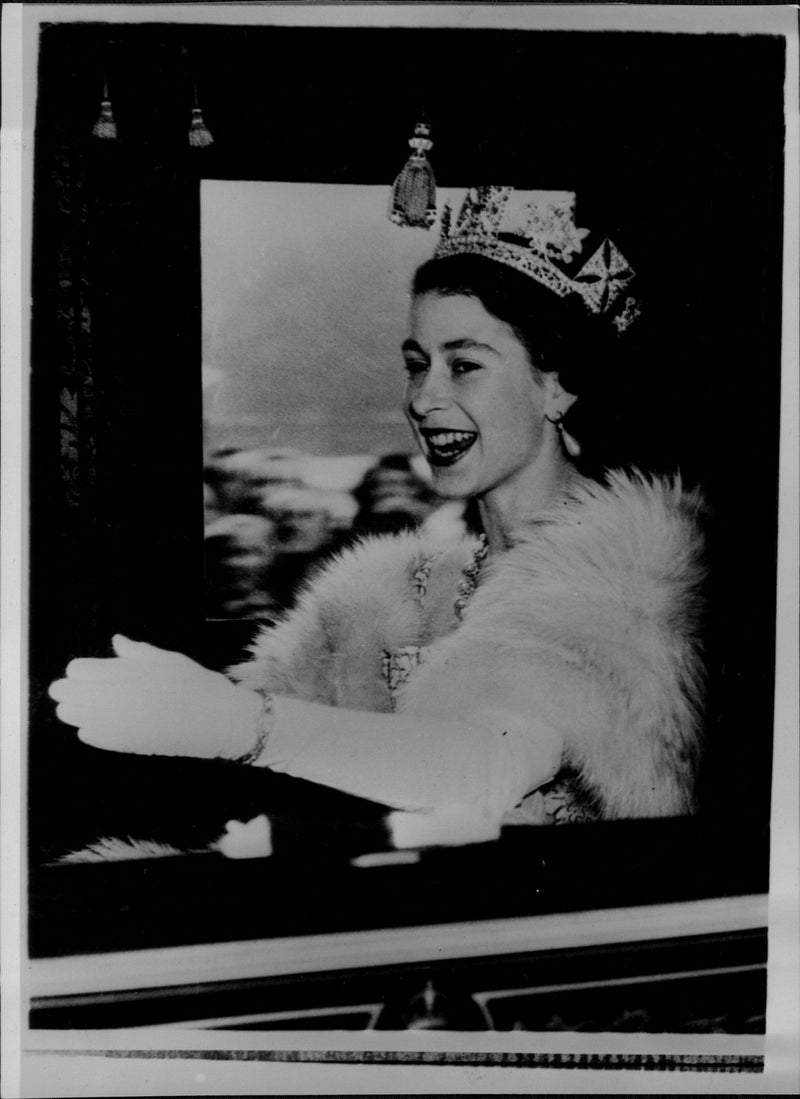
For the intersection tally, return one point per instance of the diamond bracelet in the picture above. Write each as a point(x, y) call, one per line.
point(265, 724)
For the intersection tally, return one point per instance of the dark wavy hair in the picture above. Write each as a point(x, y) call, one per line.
point(559, 334)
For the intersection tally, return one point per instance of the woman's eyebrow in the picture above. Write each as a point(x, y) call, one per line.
point(467, 344)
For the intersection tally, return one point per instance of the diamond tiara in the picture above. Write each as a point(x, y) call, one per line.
point(535, 233)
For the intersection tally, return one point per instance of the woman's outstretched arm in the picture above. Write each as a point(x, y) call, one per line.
point(414, 762)
point(153, 702)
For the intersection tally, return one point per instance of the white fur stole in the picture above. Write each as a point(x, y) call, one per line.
point(590, 621)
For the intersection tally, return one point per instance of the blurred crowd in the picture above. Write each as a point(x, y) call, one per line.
point(273, 514)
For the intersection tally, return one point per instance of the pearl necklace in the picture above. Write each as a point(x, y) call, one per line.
point(471, 571)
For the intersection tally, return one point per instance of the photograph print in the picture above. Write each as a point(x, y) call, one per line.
point(404, 447)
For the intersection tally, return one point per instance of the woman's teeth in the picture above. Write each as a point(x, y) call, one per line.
point(448, 446)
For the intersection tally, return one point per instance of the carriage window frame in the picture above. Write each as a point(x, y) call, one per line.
point(97, 618)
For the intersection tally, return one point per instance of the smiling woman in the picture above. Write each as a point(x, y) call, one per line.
point(548, 672)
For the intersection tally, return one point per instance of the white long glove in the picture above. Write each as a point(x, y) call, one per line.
point(153, 702)
point(150, 701)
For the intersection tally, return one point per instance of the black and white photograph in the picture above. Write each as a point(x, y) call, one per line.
point(406, 575)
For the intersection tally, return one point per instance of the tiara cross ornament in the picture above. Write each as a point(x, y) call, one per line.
point(535, 233)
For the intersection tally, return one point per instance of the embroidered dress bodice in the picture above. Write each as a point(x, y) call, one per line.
point(558, 801)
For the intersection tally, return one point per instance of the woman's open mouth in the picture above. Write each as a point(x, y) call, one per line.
point(443, 448)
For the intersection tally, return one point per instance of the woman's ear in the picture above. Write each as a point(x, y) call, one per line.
point(557, 400)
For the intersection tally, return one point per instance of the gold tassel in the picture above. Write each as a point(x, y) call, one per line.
point(414, 190)
point(199, 134)
point(105, 128)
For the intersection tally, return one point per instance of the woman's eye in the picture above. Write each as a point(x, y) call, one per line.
point(414, 367)
point(464, 366)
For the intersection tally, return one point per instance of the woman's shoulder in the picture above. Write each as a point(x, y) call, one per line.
point(629, 511)
point(639, 497)
point(634, 538)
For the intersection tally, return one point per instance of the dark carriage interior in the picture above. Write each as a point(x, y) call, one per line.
point(674, 145)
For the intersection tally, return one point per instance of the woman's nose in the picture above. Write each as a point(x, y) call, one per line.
point(427, 394)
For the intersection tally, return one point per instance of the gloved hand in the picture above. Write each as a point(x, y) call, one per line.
point(154, 702)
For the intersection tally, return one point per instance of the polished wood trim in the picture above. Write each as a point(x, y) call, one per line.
point(193, 965)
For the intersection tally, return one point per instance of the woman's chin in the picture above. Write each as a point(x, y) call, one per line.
point(452, 483)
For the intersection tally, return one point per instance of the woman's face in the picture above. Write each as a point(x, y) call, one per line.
point(472, 398)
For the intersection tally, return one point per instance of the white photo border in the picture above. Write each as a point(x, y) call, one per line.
point(58, 1061)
